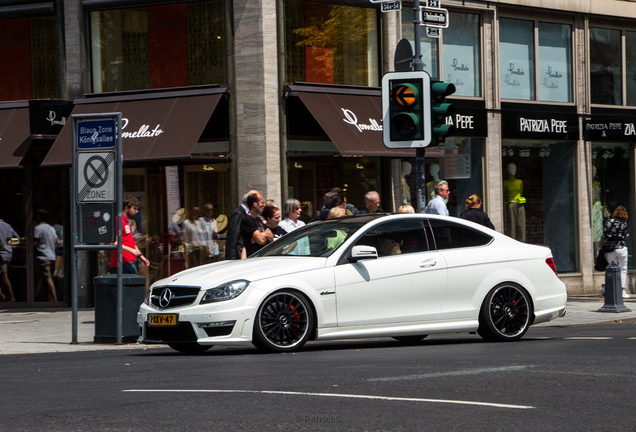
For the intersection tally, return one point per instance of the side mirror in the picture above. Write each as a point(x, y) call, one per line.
point(363, 252)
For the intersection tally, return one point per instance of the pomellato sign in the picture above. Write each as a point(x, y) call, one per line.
point(143, 131)
point(352, 119)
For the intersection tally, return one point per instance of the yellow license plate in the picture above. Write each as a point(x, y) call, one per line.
point(162, 319)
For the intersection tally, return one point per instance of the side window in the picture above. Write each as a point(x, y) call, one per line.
point(450, 235)
point(395, 238)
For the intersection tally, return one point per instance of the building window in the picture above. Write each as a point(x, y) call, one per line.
point(538, 187)
point(174, 45)
point(461, 50)
point(31, 70)
point(611, 186)
point(520, 41)
point(605, 66)
point(429, 46)
point(331, 44)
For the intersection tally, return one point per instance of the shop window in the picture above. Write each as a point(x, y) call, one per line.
point(32, 71)
point(462, 57)
point(331, 43)
point(630, 67)
point(516, 59)
point(605, 66)
point(458, 163)
point(611, 186)
point(519, 78)
point(555, 62)
point(539, 198)
point(429, 46)
point(162, 46)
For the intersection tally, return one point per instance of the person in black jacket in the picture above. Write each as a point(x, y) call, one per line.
point(474, 212)
point(234, 241)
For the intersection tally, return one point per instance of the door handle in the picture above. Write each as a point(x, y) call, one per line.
point(428, 263)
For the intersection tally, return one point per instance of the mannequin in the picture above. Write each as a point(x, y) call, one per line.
point(433, 170)
point(597, 209)
point(406, 190)
point(515, 204)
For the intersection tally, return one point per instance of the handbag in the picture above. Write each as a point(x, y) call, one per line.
point(609, 245)
point(601, 262)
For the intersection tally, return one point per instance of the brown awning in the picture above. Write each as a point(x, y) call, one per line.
point(352, 122)
point(14, 130)
point(152, 128)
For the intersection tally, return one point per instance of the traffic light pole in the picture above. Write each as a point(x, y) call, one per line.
point(418, 65)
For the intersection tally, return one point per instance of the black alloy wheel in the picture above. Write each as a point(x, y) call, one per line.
point(190, 348)
point(283, 322)
point(505, 314)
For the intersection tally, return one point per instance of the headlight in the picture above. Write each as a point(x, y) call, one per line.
point(224, 292)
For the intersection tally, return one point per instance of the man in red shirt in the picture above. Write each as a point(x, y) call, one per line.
point(129, 249)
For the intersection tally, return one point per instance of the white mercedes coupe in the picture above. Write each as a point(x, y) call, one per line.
point(403, 276)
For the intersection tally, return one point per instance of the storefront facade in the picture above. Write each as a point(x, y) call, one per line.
point(220, 97)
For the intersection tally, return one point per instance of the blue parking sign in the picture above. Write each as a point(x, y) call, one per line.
point(96, 134)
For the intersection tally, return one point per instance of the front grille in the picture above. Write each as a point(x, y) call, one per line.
point(183, 332)
point(179, 296)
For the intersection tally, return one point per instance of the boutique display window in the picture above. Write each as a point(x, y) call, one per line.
point(612, 185)
point(458, 163)
point(310, 178)
point(524, 44)
point(539, 198)
point(173, 228)
point(461, 50)
point(173, 45)
point(331, 43)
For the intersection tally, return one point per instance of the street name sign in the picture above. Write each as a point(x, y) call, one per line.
point(96, 134)
point(391, 6)
point(433, 32)
point(434, 17)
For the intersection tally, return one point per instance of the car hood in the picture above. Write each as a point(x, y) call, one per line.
point(251, 269)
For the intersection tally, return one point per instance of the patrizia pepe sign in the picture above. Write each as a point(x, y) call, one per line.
point(609, 130)
point(143, 131)
point(532, 124)
point(352, 119)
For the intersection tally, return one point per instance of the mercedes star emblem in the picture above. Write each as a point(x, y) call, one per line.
point(164, 299)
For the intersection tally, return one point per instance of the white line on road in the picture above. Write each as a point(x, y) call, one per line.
point(454, 373)
point(587, 338)
point(352, 396)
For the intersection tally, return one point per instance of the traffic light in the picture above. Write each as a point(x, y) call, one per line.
point(406, 109)
point(440, 110)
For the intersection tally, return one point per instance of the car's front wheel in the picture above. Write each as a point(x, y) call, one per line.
point(505, 314)
point(189, 347)
point(283, 322)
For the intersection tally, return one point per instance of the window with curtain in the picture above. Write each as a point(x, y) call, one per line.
point(462, 57)
point(331, 43)
point(555, 62)
point(516, 59)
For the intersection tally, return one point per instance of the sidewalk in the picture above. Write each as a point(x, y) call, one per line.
point(47, 331)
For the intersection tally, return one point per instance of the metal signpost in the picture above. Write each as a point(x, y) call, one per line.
point(97, 190)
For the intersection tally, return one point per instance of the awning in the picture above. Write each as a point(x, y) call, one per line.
point(353, 122)
point(166, 128)
point(14, 131)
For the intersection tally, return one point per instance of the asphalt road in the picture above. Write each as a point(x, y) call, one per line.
point(575, 378)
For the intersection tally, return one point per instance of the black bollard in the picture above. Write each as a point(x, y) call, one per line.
point(613, 290)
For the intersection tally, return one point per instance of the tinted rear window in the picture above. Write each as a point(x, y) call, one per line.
point(451, 235)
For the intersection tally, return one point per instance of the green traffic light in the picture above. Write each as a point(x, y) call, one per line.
point(440, 110)
point(441, 89)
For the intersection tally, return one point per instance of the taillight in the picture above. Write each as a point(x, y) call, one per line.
point(550, 262)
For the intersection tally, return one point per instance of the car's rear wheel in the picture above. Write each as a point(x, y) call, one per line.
point(409, 339)
point(505, 314)
point(283, 322)
point(189, 347)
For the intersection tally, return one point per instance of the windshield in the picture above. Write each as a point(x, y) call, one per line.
point(318, 239)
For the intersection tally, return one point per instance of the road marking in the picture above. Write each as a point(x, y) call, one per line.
point(632, 338)
point(588, 338)
point(454, 373)
point(351, 396)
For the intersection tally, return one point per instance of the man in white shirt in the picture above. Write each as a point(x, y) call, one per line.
point(209, 233)
point(438, 204)
point(46, 242)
